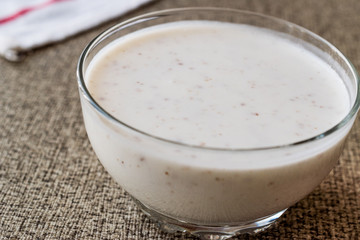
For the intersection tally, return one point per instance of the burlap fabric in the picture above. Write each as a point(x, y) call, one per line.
point(53, 187)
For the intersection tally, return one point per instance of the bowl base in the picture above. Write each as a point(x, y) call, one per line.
point(207, 232)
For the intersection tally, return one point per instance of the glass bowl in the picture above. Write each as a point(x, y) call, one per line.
point(182, 186)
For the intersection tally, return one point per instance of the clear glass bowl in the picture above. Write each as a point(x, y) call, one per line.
point(190, 194)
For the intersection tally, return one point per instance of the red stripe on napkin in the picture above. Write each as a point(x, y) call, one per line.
point(27, 10)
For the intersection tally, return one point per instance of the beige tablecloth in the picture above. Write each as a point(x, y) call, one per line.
point(53, 187)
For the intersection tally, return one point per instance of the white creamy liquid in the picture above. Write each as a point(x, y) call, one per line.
point(217, 85)
point(220, 85)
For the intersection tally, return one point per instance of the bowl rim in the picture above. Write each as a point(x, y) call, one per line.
point(156, 14)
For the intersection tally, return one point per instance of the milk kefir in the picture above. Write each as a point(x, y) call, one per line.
point(213, 88)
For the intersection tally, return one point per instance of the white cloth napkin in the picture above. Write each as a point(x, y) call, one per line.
point(27, 24)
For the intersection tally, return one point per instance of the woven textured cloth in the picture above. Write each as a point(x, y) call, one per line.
point(53, 187)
